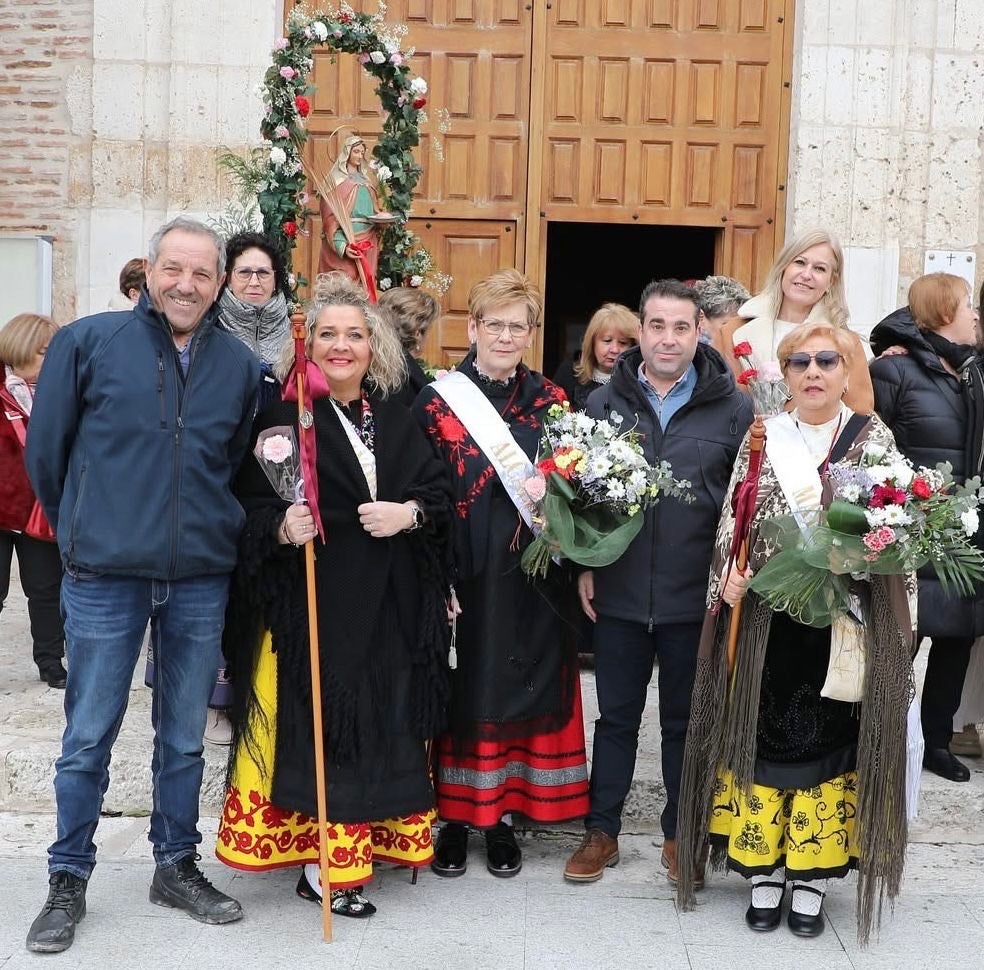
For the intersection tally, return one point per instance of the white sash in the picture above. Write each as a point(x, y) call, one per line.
point(794, 468)
point(492, 435)
point(800, 483)
point(365, 458)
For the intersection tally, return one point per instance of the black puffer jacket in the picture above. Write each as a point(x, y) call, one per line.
point(662, 577)
point(923, 404)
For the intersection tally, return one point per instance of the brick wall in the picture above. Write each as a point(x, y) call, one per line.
point(45, 60)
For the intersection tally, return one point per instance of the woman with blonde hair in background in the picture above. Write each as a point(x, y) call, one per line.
point(23, 527)
point(612, 329)
point(805, 285)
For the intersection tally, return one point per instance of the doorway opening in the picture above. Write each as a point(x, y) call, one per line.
point(591, 263)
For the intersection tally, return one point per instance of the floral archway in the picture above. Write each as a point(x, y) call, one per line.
point(277, 174)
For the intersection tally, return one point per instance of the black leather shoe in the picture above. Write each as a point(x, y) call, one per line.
point(451, 851)
point(55, 675)
point(940, 762)
point(504, 857)
point(765, 918)
point(184, 886)
point(54, 928)
point(802, 924)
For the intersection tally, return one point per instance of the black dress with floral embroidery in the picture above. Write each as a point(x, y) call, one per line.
point(514, 665)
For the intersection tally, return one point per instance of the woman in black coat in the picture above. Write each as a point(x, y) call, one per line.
point(932, 397)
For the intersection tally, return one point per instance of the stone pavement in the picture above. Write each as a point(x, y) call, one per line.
point(536, 920)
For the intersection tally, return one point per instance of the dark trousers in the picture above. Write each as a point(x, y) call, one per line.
point(40, 567)
point(946, 669)
point(624, 656)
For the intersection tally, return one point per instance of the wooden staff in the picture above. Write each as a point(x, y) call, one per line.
point(745, 512)
point(304, 427)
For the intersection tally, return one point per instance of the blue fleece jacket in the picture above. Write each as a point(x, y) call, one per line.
point(132, 460)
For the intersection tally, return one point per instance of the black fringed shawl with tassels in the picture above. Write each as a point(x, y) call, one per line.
point(724, 717)
point(382, 621)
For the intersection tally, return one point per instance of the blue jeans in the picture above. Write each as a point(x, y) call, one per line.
point(105, 621)
point(624, 657)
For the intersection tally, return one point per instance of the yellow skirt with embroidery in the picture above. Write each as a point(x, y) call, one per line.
point(255, 835)
point(809, 831)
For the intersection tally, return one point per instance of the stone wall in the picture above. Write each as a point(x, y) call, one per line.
point(885, 141)
point(45, 89)
point(172, 82)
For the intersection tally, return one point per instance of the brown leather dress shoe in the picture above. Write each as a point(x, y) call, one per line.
point(597, 852)
point(669, 863)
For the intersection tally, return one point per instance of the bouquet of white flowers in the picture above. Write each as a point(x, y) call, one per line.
point(589, 487)
point(887, 518)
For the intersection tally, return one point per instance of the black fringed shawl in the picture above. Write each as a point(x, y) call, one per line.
point(381, 617)
point(722, 730)
point(515, 675)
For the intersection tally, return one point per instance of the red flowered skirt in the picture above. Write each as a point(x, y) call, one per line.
point(545, 777)
point(255, 835)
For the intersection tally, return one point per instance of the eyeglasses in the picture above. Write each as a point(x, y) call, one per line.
point(825, 360)
point(496, 328)
point(244, 275)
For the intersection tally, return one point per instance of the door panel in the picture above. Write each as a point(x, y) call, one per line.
point(468, 249)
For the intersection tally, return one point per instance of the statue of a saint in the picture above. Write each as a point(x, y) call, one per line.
point(351, 217)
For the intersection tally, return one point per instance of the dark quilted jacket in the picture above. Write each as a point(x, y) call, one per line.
point(923, 404)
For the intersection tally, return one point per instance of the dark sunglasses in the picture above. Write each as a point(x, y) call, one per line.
point(826, 360)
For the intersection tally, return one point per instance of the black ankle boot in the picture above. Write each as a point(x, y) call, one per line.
point(504, 857)
point(451, 850)
point(54, 928)
point(184, 886)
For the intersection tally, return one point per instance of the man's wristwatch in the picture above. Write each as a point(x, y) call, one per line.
point(418, 517)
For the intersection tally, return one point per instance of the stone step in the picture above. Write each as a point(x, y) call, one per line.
point(30, 731)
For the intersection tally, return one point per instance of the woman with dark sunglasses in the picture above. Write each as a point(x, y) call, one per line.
point(932, 397)
point(794, 770)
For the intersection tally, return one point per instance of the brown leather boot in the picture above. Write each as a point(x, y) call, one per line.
point(669, 862)
point(596, 852)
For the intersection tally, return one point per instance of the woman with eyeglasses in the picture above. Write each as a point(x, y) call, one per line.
point(515, 739)
point(932, 397)
point(789, 786)
point(253, 302)
point(805, 285)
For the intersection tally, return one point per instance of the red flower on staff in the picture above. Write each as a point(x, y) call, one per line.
point(303, 105)
point(418, 103)
point(547, 466)
point(746, 376)
point(921, 488)
point(744, 349)
point(290, 229)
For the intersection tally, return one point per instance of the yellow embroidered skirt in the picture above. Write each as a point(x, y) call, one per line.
point(255, 835)
point(809, 831)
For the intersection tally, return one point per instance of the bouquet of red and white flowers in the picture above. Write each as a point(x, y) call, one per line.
point(767, 386)
point(887, 518)
point(588, 489)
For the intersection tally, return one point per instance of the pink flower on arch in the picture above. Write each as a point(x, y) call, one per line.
point(288, 73)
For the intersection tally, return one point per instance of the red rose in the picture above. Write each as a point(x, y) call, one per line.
point(290, 229)
point(746, 376)
point(303, 105)
point(345, 18)
point(920, 488)
point(418, 103)
point(744, 349)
